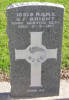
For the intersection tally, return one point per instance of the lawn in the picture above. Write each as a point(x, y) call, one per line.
point(4, 52)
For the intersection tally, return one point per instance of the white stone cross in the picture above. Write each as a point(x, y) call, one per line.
point(36, 54)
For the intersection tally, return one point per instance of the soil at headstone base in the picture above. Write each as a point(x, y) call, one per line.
point(64, 75)
point(4, 76)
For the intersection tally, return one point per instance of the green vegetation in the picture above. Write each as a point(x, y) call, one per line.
point(4, 52)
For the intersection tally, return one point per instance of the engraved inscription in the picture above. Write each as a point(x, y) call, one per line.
point(33, 20)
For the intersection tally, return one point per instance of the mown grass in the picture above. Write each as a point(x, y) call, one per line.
point(4, 52)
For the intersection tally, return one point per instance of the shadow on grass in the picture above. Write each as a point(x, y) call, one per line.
point(6, 96)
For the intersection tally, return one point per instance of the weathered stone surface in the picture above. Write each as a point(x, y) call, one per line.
point(35, 44)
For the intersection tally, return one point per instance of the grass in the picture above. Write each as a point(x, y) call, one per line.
point(4, 52)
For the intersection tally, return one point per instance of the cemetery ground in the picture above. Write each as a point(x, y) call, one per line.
point(63, 94)
point(4, 51)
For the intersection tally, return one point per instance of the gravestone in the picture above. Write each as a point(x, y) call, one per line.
point(35, 43)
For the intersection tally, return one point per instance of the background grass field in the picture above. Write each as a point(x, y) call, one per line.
point(4, 52)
